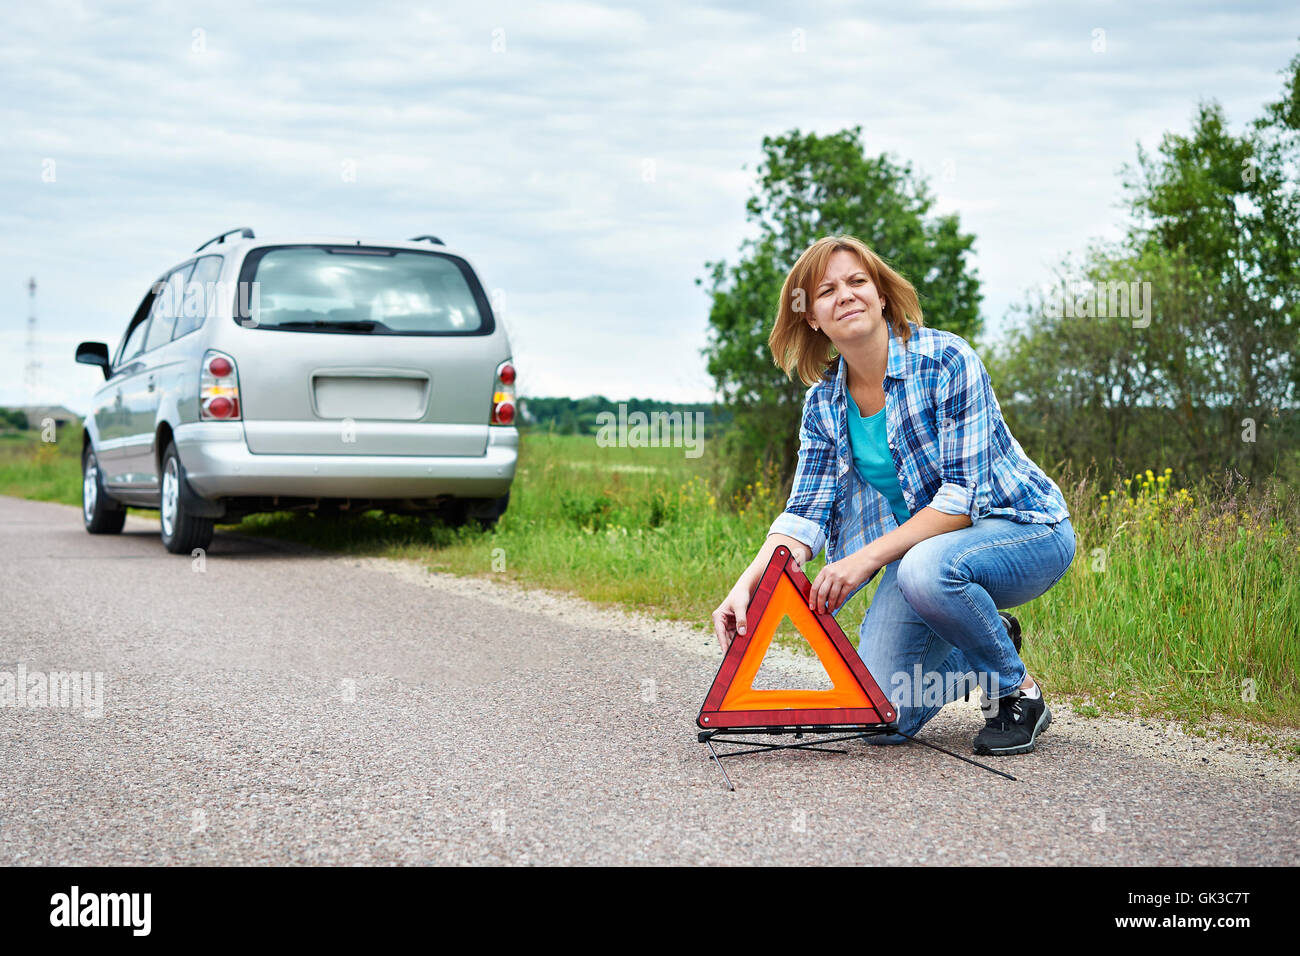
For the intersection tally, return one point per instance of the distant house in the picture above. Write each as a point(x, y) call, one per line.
point(36, 414)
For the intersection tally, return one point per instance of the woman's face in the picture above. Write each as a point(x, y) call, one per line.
point(846, 304)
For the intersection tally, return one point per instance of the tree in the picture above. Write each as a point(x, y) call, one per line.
point(1214, 233)
point(811, 186)
point(1101, 375)
point(14, 418)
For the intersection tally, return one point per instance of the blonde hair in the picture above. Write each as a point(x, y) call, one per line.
point(794, 344)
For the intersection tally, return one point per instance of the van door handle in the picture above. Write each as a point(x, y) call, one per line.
point(151, 383)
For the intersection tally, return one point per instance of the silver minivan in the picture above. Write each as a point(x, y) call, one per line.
point(327, 375)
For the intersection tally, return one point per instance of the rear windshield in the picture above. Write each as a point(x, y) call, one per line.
point(362, 290)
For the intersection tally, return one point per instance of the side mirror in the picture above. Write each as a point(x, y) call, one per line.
point(94, 353)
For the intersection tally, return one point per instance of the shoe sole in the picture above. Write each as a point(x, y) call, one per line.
point(1044, 722)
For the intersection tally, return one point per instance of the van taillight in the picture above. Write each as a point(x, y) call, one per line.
point(503, 395)
point(218, 388)
point(503, 410)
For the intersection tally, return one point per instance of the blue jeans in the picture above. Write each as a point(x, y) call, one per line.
point(933, 631)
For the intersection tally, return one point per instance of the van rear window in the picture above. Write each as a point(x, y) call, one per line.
point(360, 289)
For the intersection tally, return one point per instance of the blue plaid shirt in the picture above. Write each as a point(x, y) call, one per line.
point(946, 434)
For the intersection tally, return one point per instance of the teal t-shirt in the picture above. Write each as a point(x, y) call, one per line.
point(871, 455)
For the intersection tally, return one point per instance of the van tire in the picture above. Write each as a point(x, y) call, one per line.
point(485, 512)
point(100, 513)
point(182, 532)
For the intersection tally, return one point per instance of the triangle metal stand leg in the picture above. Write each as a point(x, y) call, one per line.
point(709, 736)
point(917, 740)
point(718, 760)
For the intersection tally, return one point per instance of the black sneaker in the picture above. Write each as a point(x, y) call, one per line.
point(1012, 724)
point(1013, 628)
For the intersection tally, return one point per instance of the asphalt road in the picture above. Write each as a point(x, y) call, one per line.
point(281, 706)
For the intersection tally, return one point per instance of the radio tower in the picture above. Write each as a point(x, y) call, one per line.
point(32, 371)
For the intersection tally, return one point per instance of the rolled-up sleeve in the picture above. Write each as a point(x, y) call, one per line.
point(964, 417)
point(812, 495)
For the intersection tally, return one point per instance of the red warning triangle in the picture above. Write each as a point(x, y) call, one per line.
point(732, 701)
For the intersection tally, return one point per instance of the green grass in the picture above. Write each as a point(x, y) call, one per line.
point(1175, 600)
point(48, 471)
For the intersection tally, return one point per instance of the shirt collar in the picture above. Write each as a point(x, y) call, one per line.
point(896, 367)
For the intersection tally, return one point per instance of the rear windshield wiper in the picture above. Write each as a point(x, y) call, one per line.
point(347, 325)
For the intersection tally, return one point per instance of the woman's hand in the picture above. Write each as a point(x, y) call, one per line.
point(836, 581)
point(729, 618)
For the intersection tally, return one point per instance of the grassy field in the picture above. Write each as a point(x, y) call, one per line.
point(1180, 604)
point(30, 468)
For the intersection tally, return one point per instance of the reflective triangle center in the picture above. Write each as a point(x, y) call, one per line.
point(773, 675)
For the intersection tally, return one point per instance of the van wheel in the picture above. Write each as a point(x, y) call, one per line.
point(182, 532)
point(484, 512)
point(101, 514)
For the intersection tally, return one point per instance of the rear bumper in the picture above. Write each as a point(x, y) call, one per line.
point(218, 464)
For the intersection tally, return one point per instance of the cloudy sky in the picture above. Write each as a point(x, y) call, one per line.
point(588, 158)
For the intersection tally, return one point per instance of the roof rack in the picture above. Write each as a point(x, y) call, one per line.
point(243, 231)
point(434, 239)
